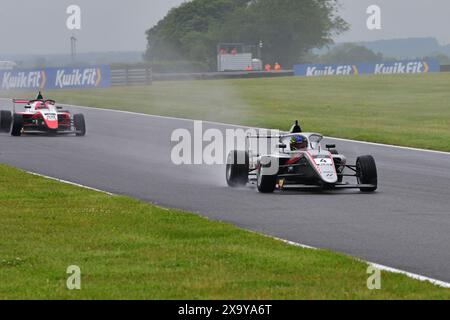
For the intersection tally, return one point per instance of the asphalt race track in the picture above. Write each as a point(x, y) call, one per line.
point(405, 225)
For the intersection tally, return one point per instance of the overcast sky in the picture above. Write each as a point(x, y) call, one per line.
point(30, 26)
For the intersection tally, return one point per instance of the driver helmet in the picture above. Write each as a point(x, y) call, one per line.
point(298, 143)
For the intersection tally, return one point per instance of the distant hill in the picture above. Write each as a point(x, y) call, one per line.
point(406, 48)
point(409, 48)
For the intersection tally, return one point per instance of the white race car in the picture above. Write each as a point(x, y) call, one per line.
point(41, 116)
point(301, 162)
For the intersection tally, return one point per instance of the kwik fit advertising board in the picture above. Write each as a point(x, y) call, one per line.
point(56, 78)
point(392, 67)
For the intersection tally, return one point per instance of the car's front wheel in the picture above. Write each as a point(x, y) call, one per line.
point(5, 121)
point(366, 169)
point(17, 125)
point(265, 183)
point(79, 124)
point(237, 168)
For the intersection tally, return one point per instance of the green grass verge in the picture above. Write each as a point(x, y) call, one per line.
point(128, 249)
point(408, 110)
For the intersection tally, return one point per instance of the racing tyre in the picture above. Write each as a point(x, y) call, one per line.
point(17, 125)
point(367, 172)
point(266, 183)
point(236, 171)
point(5, 121)
point(80, 124)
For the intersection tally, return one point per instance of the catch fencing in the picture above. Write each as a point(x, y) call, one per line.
point(131, 76)
point(445, 68)
point(145, 76)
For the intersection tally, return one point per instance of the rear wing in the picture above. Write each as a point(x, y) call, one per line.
point(19, 101)
point(265, 137)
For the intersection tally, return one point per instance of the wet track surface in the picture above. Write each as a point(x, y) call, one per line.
point(405, 225)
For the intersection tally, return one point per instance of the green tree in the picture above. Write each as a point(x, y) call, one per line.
point(288, 28)
point(186, 33)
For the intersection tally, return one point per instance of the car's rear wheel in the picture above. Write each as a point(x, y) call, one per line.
point(17, 125)
point(366, 169)
point(266, 183)
point(80, 124)
point(5, 121)
point(237, 168)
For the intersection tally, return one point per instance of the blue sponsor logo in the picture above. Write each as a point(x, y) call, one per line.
point(315, 70)
point(23, 79)
point(403, 67)
point(397, 67)
point(68, 78)
point(56, 78)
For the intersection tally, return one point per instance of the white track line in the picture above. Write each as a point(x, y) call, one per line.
point(414, 276)
point(240, 126)
point(70, 182)
point(381, 267)
point(391, 146)
point(291, 243)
